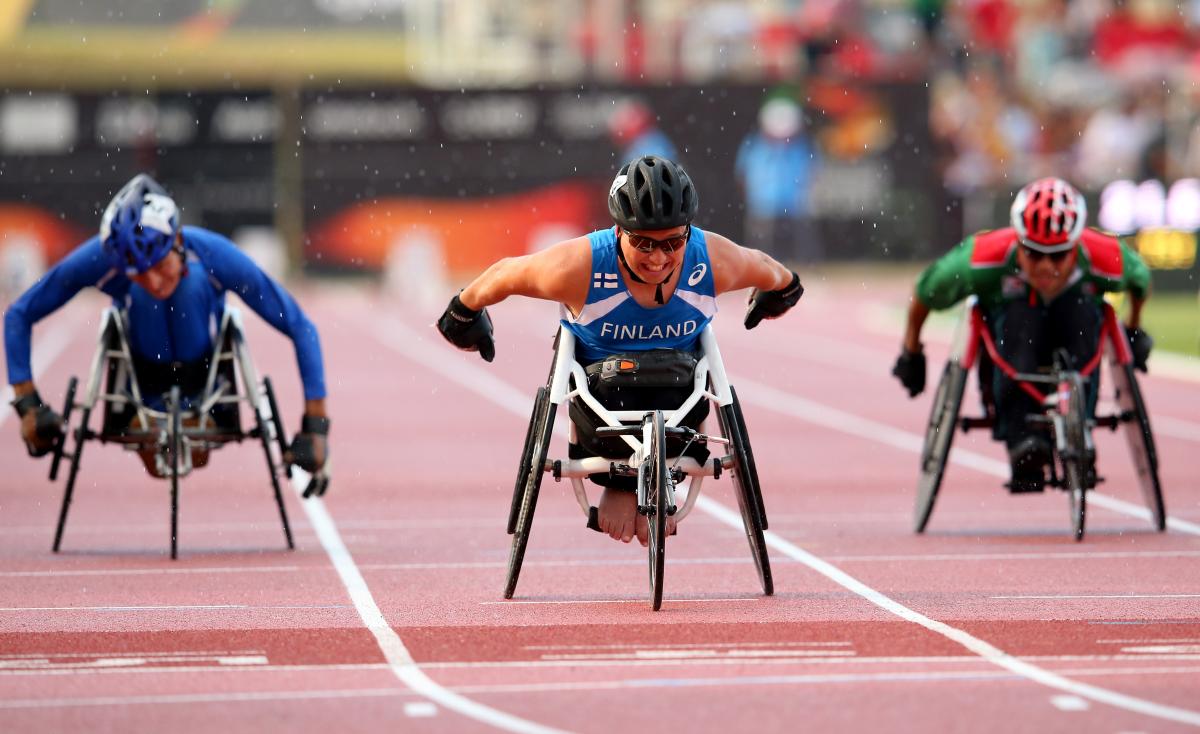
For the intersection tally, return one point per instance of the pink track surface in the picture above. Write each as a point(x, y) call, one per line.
point(241, 635)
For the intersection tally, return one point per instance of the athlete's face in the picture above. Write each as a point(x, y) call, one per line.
point(161, 280)
point(1047, 273)
point(657, 264)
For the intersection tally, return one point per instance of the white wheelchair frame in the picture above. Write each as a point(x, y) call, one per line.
point(112, 381)
point(568, 381)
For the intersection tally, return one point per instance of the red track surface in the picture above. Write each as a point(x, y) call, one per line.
point(240, 634)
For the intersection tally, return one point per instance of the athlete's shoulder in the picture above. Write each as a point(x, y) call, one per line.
point(992, 247)
point(1103, 251)
point(205, 242)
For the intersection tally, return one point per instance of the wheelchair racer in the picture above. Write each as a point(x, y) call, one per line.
point(1040, 284)
point(171, 281)
point(648, 282)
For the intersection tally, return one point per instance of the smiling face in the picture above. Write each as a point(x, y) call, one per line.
point(161, 280)
point(1048, 274)
point(657, 265)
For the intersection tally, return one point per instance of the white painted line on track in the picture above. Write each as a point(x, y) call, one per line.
point(420, 709)
point(1175, 427)
point(394, 651)
point(198, 698)
point(161, 571)
point(174, 608)
point(1069, 703)
point(477, 379)
point(510, 602)
point(1101, 596)
point(814, 412)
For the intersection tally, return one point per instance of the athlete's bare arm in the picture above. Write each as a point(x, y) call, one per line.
point(559, 273)
point(736, 267)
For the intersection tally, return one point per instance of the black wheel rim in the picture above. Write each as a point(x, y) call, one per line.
point(745, 499)
point(1140, 439)
point(523, 467)
point(751, 467)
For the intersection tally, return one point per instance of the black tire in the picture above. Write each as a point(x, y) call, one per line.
point(751, 467)
point(533, 484)
point(61, 444)
point(656, 497)
point(939, 435)
point(176, 443)
point(523, 468)
point(264, 435)
point(1141, 441)
point(751, 515)
point(1077, 462)
point(81, 436)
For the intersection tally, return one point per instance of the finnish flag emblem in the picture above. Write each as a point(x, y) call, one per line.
point(604, 280)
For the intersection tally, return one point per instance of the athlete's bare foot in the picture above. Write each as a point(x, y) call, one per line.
point(643, 527)
point(617, 512)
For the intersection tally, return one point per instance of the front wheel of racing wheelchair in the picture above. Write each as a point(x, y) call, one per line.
point(656, 475)
point(174, 431)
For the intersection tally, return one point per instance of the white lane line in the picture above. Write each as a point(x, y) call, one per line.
point(1101, 596)
point(984, 649)
point(394, 651)
point(161, 571)
point(47, 350)
point(468, 374)
point(1069, 703)
point(173, 608)
point(688, 645)
point(194, 698)
point(420, 709)
point(510, 602)
point(814, 412)
point(1175, 427)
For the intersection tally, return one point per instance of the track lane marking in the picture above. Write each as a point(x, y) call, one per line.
point(412, 345)
point(1100, 596)
point(400, 661)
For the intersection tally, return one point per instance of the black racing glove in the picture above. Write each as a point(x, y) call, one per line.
point(468, 329)
point(47, 425)
point(1140, 343)
point(310, 452)
point(772, 304)
point(910, 370)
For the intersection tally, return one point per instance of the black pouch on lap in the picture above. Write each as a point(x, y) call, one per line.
point(659, 379)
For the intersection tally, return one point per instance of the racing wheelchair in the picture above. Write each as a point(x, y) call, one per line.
point(655, 449)
point(1065, 416)
point(173, 432)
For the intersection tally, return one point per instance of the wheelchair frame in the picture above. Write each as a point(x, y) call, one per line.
point(1073, 468)
point(112, 381)
point(647, 460)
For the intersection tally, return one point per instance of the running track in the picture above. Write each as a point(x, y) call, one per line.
point(389, 613)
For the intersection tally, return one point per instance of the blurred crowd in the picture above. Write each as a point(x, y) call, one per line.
point(1093, 90)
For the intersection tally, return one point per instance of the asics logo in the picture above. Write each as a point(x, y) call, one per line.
point(697, 274)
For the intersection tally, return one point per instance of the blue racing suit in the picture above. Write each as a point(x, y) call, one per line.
point(180, 329)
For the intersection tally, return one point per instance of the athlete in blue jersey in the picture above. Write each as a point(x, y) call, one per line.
point(171, 281)
point(650, 282)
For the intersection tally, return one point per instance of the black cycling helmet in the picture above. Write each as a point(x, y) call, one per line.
point(652, 193)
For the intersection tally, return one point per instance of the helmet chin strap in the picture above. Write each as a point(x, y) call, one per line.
point(658, 296)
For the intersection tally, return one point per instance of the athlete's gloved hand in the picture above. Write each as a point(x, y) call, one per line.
point(1140, 343)
point(468, 329)
point(772, 304)
point(910, 370)
point(41, 427)
point(310, 452)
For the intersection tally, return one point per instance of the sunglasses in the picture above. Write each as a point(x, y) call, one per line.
point(646, 245)
point(1055, 257)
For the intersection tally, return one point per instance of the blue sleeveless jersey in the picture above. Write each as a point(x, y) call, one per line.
point(612, 321)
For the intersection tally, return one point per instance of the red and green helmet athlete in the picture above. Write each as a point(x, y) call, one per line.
point(1039, 282)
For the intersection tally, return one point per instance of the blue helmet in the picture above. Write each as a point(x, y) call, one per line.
point(139, 225)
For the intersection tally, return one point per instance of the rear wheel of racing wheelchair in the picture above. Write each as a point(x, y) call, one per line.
point(744, 481)
point(80, 434)
point(653, 480)
point(751, 467)
point(1141, 441)
point(529, 483)
point(174, 446)
point(939, 434)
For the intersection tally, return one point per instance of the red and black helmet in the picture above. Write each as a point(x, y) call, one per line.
point(1049, 215)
